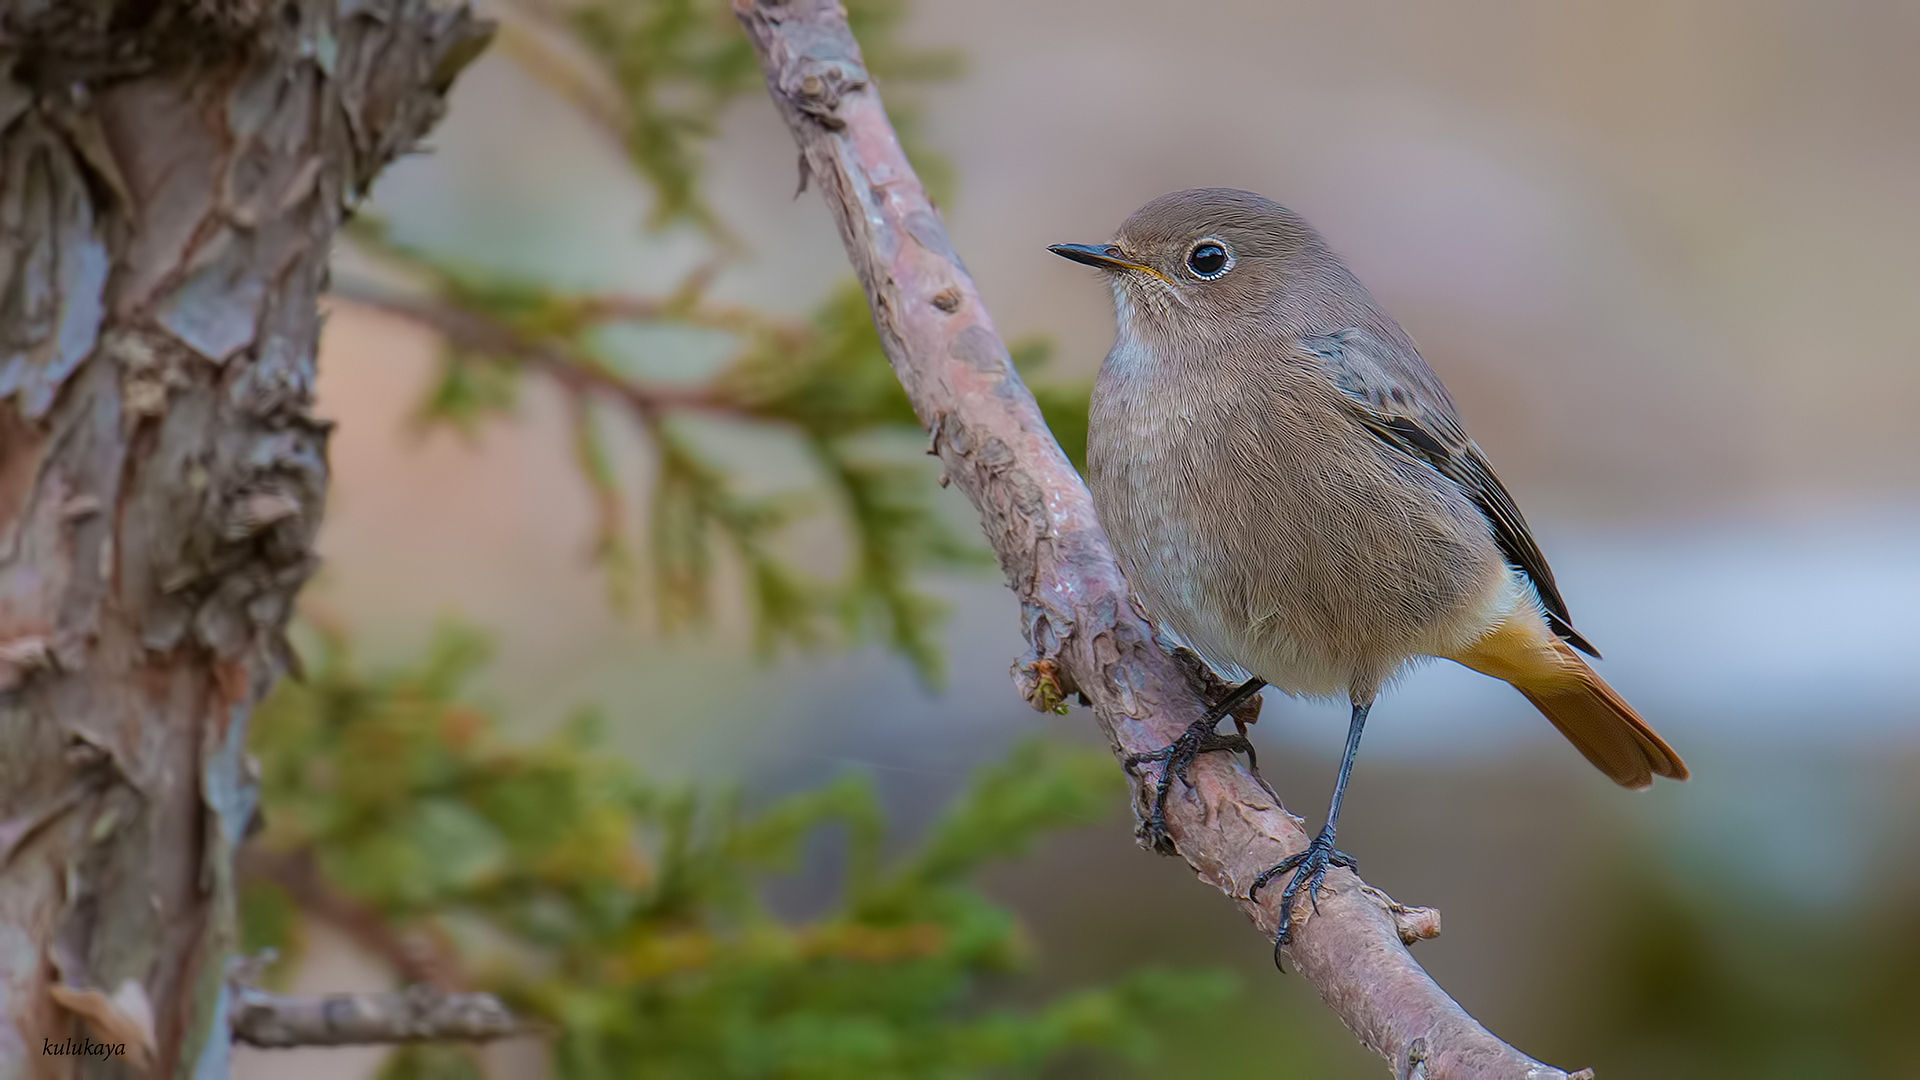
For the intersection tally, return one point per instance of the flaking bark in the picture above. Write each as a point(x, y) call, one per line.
point(1084, 633)
point(420, 1014)
point(171, 175)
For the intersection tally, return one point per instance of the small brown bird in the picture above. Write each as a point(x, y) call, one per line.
point(1291, 491)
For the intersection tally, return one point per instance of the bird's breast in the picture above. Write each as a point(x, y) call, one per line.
point(1272, 534)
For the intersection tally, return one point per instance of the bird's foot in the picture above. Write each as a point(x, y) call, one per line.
point(1199, 738)
point(1309, 870)
point(1241, 703)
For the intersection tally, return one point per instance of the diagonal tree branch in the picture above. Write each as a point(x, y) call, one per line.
point(1085, 635)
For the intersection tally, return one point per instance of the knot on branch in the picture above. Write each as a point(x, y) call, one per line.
point(1044, 683)
point(815, 85)
point(1040, 676)
point(1411, 923)
point(818, 62)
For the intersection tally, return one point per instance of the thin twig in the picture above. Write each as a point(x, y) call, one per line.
point(575, 372)
point(1084, 633)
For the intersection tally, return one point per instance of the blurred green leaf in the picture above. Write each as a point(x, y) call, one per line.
point(469, 389)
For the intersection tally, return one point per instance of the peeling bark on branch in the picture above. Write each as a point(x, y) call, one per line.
point(420, 1014)
point(1085, 635)
point(171, 174)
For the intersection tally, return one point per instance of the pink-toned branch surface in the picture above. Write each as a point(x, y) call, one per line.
point(1085, 636)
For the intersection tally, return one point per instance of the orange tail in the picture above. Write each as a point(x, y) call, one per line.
point(1595, 719)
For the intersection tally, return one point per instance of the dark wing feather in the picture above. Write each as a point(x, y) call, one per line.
point(1417, 420)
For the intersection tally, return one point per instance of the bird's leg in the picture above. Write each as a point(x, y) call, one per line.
point(1310, 866)
point(1199, 738)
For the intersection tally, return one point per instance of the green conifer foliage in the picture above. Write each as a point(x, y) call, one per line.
point(628, 916)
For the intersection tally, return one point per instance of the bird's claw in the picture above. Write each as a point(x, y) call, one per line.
point(1199, 738)
point(1309, 869)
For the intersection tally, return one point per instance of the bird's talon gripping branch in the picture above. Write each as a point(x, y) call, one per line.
point(1199, 738)
point(1309, 869)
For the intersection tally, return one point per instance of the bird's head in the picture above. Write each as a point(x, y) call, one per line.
point(1215, 255)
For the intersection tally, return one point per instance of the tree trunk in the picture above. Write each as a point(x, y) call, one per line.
point(171, 175)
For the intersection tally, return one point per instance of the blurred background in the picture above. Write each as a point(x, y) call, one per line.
point(1664, 252)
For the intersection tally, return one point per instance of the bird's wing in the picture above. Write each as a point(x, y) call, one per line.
point(1414, 416)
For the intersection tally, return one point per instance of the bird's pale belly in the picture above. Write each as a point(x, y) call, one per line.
point(1236, 642)
point(1324, 589)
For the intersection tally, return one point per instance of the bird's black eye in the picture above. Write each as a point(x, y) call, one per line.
point(1209, 259)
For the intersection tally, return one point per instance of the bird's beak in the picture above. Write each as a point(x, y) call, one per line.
point(1104, 256)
